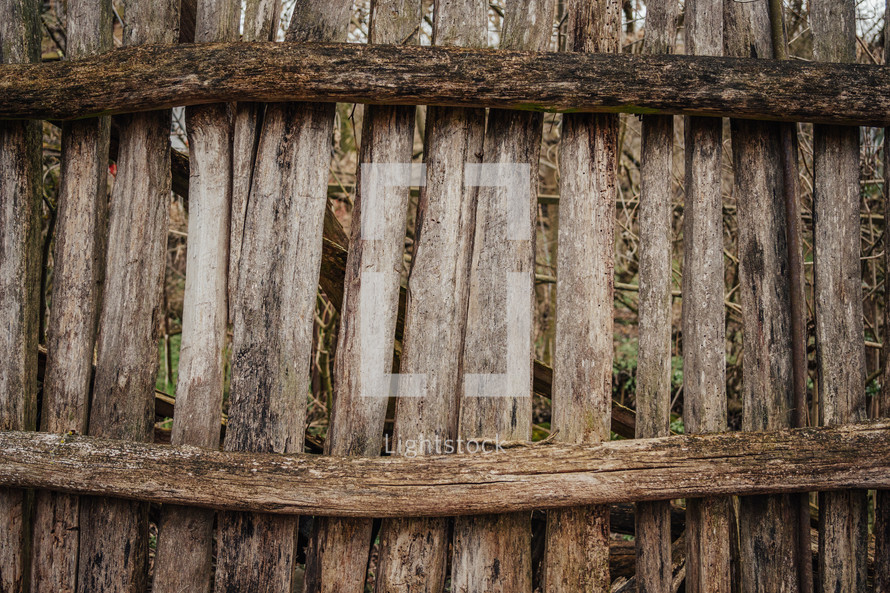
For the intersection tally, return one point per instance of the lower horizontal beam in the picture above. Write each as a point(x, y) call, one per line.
point(518, 479)
point(159, 77)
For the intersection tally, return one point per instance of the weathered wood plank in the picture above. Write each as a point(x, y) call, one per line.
point(114, 533)
point(517, 479)
point(133, 79)
point(840, 351)
point(766, 524)
point(20, 213)
point(577, 539)
point(185, 535)
point(78, 271)
point(274, 308)
point(493, 553)
point(653, 397)
point(882, 497)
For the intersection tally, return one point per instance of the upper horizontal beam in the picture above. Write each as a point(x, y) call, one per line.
point(159, 77)
point(518, 479)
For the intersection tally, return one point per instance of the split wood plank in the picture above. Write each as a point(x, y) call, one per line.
point(882, 497)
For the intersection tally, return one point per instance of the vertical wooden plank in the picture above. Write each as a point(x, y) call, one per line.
point(704, 351)
point(338, 556)
point(882, 497)
point(577, 544)
point(114, 533)
point(413, 550)
point(79, 260)
point(840, 350)
point(183, 558)
point(20, 198)
point(653, 403)
point(274, 308)
point(766, 523)
point(493, 553)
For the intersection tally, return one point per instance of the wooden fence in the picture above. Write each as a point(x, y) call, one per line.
point(261, 241)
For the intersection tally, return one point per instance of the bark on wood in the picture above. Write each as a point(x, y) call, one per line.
point(840, 350)
point(518, 479)
point(274, 308)
point(113, 536)
point(20, 215)
point(882, 497)
point(653, 402)
point(338, 556)
point(183, 557)
point(577, 539)
point(493, 553)
point(78, 271)
point(704, 364)
point(134, 79)
point(766, 524)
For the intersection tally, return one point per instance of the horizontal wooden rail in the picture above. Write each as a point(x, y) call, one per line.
point(519, 478)
point(158, 77)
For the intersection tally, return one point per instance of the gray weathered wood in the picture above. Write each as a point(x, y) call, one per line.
point(577, 539)
point(338, 554)
point(20, 214)
point(78, 270)
point(493, 553)
point(840, 351)
point(133, 79)
point(653, 397)
point(520, 478)
point(274, 308)
point(704, 353)
point(766, 524)
point(185, 535)
point(882, 497)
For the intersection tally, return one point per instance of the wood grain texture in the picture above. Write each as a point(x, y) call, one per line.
point(20, 224)
point(78, 272)
point(704, 351)
point(653, 396)
point(840, 352)
point(274, 308)
point(766, 524)
point(133, 79)
point(185, 535)
point(520, 478)
point(339, 550)
point(577, 539)
point(882, 497)
point(114, 533)
point(493, 553)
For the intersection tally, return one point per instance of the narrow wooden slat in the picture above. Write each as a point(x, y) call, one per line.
point(882, 497)
point(78, 270)
point(185, 535)
point(493, 553)
point(20, 222)
point(766, 524)
point(840, 351)
point(134, 79)
point(704, 352)
point(114, 533)
point(413, 551)
point(577, 539)
point(517, 479)
point(337, 559)
point(274, 308)
point(653, 397)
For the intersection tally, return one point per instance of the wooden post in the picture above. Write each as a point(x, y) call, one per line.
point(338, 556)
point(577, 539)
point(704, 351)
point(882, 497)
point(78, 270)
point(493, 553)
point(20, 215)
point(840, 350)
point(114, 533)
point(653, 403)
point(274, 308)
point(766, 523)
point(185, 534)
